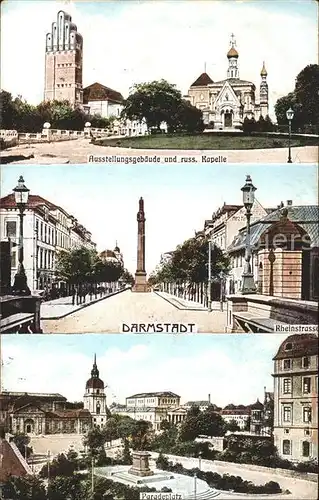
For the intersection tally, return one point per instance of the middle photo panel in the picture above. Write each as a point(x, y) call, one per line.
point(160, 249)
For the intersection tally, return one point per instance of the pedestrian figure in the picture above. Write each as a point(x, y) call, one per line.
point(73, 293)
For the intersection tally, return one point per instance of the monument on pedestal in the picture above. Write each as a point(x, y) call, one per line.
point(140, 466)
point(140, 275)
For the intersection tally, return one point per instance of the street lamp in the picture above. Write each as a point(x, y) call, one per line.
point(200, 460)
point(289, 114)
point(195, 486)
point(21, 195)
point(209, 284)
point(248, 285)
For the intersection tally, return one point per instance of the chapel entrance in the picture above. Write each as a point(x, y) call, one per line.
point(228, 120)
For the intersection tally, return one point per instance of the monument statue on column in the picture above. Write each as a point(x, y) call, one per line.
point(140, 275)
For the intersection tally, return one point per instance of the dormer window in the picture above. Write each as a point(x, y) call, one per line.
point(288, 346)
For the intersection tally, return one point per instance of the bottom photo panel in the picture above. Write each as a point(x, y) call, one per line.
point(159, 417)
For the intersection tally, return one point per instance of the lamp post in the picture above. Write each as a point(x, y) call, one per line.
point(195, 486)
point(289, 114)
point(248, 285)
point(200, 460)
point(221, 294)
point(21, 194)
point(209, 281)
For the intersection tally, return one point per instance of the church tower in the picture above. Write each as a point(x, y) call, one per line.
point(263, 92)
point(95, 397)
point(232, 55)
point(64, 62)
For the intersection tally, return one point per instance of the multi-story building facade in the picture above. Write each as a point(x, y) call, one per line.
point(226, 103)
point(296, 398)
point(47, 229)
point(153, 407)
point(64, 61)
point(236, 413)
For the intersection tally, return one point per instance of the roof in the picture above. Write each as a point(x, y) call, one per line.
point(233, 82)
point(20, 399)
point(99, 92)
point(198, 403)
point(154, 394)
point(297, 346)
point(305, 216)
point(33, 201)
point(203, 80)
point(232, 52)
point(257, 406)
point(12, 462)
point(94, 383)
point(263, 70)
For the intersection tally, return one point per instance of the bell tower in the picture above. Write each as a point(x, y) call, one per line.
point(263, 92)
point(63, 61)
point(232, 55)
point(95, 397)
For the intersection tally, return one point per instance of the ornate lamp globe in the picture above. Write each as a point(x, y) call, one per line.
point(47, 125)
point(21, 193)
point(290, 114)
point(87, 124)
point(248, 193)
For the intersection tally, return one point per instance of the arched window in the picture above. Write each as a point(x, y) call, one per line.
point(98, 409)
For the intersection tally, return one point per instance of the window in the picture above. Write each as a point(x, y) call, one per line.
point(307, 432)
point(306, 385)
point(11, 229)
point(305, 362)
point(288, 346)
point(287, 431)
point(286, 447)
point(287, 413)
point(287, 364)
point(306, 414)
point(305, 448)
point(287, 386)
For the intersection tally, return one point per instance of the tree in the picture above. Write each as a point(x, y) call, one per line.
point(307, 93)
point(304, 100)
point(75, 266)
point(60, 466)
point(156, 102)
point(22, 441)
point(141, 435)
point(232, 426)
point(68, 488)
point(127, 277)
point(211, 423)
point(24, 488)
point(95, 439)
point(189, 262)
point(187, 118)
point(249, 125)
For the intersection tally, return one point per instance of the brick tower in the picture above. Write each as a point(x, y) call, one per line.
point(64, 61)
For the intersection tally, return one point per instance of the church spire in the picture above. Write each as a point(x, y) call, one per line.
point(232, 56)
point(95, 372)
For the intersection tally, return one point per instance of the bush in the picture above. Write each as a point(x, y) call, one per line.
point(214, 480)
point(311, 466)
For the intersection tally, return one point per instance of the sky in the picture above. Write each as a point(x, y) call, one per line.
point(128, 41)
point(232, 368)
point(177, 199)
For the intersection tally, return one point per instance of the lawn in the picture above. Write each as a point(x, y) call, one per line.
point(206, 141)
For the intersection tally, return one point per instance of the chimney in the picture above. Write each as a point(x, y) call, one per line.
point(209, 398)
point(289, 203)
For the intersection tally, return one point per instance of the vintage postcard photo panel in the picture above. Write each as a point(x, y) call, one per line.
point(144, 250)
point(241, 91)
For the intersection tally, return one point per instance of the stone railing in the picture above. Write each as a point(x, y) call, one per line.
point(265, 314)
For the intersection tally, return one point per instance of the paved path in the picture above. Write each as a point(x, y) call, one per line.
point(107, 316)
point(300, 488)
point(79, 150)
point(59, 308)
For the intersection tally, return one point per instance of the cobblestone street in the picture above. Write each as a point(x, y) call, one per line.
point(107, 316)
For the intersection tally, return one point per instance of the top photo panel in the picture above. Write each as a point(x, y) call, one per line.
point(159, 81)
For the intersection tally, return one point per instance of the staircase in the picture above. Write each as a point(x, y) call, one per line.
point(208, 494)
